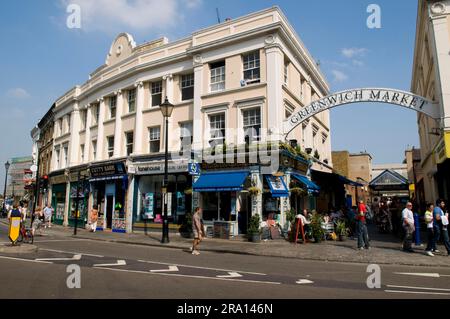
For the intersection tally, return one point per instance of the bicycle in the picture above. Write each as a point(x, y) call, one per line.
point(25, 235)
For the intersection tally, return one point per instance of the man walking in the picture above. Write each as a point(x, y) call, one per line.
point(197, 229)
point(361, 227)
point(408, 226)
point(441, 225)
point(48, 212)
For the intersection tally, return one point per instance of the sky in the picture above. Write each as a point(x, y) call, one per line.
point(41, 58)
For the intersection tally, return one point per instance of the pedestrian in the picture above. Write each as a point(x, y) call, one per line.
point(15, 212)
point(408, 226)
point(431, 246)
point(48, 212)
point(361, 226)
point(441, 225)
point(37, 221)
point(197, 229)
point(93, 218)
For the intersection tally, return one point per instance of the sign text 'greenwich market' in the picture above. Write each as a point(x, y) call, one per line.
point(396, 97)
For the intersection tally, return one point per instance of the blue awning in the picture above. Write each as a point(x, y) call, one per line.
point(220, 181)
point(310, 185)
point(345, 180)
point(277, 186)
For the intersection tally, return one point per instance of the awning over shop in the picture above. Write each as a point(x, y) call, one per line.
point(347, 181)
point(310, 185)
point(220, 181)
point(277, 186)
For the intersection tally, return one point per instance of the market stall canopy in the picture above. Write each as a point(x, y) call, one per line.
point(221, 181)
point(347, 181)
point(277, 186)
point(310, 185)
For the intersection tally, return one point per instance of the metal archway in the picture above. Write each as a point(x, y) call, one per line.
point(376, 95)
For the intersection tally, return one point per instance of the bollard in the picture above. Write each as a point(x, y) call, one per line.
point(417, 232)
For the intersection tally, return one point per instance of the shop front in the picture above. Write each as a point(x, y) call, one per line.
point(148, 205)
point(108, 188)
point(58, 202)
point(275, 195)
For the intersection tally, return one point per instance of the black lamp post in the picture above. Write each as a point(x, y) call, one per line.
point(4, 190)
point(166, 110)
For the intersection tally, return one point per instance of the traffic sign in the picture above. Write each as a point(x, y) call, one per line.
point(194, 168)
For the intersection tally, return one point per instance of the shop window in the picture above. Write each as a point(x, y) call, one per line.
point(252, 124)
point(217, 129)
point(112, 107)
point(131, 100)
point(110, 146)
point(155, 139)
point(187, 87)
point(217, 76)
point(129, 142)
point(156, 90)
point(251, 67)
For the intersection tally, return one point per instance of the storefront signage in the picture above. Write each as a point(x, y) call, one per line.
point(396, 97)
point(107, 170)
point(158, 168)
point(442, 150)
point(194, 168)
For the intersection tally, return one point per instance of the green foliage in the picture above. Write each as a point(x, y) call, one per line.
point(253, 227)
point(290, 216)
point(341, 228)
point(297, 191)
point(253, 190)
point(186, 226)
point(316, 227)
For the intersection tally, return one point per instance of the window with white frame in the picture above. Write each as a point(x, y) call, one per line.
point(68, 123)
point(60, 126)
point(286, 73)
point(112, 106)
point(251, 65)
point(252, 124)
point(57, 157)
point(83, 116)
point(131, 100)
point(324, 138)
point(217, 128)
point(65, 154)
point(94, 150)
point(156, 93)
point(288, 110)
point(154, 134)
point(187, 87)
point(304, 127)
point(82, 153)
point(95, 114)
point(315, 130)
point(186, 135)
point(129, 141)
point(217, 79)
point(110, 140)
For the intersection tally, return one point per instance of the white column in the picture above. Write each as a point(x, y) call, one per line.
point(100, 129)
point(256, 200)
point(168, 78)
point(129, 204)
point(197, 126)
point(67, 204)
point(274, 61)
point(118, 126)
point(139, 122)
point(74, 135)
point(87, 140)
point(440, 38)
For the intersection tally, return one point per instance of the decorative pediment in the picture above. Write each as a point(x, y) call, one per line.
point(121, 48)
point(389, 177)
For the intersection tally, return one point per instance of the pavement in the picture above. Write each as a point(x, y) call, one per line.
point(385, 248)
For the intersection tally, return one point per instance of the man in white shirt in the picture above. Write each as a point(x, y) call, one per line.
point(408, 225)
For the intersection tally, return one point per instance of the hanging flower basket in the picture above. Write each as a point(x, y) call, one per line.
point(298, 191)
point(188, 191)
point(254, 190)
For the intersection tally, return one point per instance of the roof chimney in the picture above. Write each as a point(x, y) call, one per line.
point(227, 19)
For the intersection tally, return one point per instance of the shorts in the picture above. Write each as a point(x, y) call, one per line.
point(48, 218)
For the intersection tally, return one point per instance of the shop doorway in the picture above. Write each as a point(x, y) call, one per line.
point(109, 210)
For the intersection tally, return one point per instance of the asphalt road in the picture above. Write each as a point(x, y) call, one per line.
point(112, 270)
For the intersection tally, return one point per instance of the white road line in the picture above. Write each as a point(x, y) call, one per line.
point(434, 275)
point(304, 281)
point(418, 292)
point(57, 240)
point(192, 276)
point(171, 269)
point(70, 252)
point(232, 274)
point(420, 288)
point(119, 262)
point(198, 267)
point(29, 260)
point(75, 257)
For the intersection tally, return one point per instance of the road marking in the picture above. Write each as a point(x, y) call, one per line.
point(193, 276)
point(75, 257)
point(420, 288)
point(171, 268)
point(29, 260)
point(198, 267)
point(418, 292)
point(231, 274)
point(57, 240)
point(119, 262)
point(422, 274)
point(304, 281)
point(70, 252)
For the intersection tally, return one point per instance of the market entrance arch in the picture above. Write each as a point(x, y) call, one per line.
point(375, 95)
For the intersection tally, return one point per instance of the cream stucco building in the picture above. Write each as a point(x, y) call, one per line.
point(239, 78)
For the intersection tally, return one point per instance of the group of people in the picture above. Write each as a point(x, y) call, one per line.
point(41, 218)
point(437, 222)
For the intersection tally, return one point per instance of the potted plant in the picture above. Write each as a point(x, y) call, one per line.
point(316, 227)
point(186, 227)
point(253, 190)
point(253, 231)
point(341, 230)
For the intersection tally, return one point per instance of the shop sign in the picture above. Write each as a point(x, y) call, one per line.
point(442, 150)
point(107, 170)
point(194, 168)
point(158, 168)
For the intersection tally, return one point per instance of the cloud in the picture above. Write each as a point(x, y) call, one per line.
point(18, 93)
point(358, 63)
point(339, 76)
point(125, 15)
point(353, 52)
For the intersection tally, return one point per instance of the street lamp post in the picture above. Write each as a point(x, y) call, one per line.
point(4, 190)
point(166, 110)
point(76, 204)
point(37, 184)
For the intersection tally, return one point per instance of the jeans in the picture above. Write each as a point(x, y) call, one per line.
point(363, 236)
point(446, 239)
point(437, 234)
point(407, 242)
point(431, 246)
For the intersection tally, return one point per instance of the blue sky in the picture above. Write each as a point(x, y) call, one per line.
point(40, 58)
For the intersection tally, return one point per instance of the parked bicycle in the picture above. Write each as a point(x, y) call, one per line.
point(25, 235)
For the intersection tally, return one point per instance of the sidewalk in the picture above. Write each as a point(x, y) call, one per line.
point(386, 249)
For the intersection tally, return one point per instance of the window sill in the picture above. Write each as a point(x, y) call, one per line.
point(109, 121)
point(237, 89)
point(93, 126)
point(128, 115)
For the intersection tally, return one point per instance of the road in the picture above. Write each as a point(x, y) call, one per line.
point(114, 270)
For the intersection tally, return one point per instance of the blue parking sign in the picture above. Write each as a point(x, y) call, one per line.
point(194, 168)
